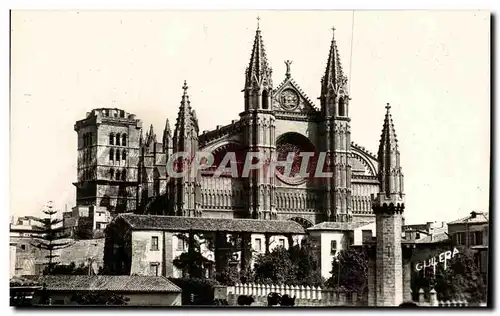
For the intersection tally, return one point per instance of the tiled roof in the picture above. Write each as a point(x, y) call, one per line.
point(116, 283)
point(480, 218)
point(436, 237)
point(180, 223)
point(414, 227)
point(342, 226)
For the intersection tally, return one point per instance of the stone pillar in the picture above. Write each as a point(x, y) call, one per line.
point(266, 242)
point(372, 280)
point(407, 268)
point(220, 255)
point(290, 241)
point(389, 259)
point(245, 253)
point(191, 250)
point(168, 254)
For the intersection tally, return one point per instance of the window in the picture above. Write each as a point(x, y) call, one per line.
point(478, 239)
point(122, 113)
point(124, 155)
point(265, 104)
point(111, 139)
point(180, 244)
point(98, 226)
point(118, 155)
point(124, 140)
point(111, 173)
point(341, 107)
point(111, 154)
point(333, 245)
point(118, 174)
point(282, 242)
point(460, 238)
point(117, 139)
point(154, 269)
point(154, 243)
point(124, 175)
point(258, 244)
point(23, 247)
point(417, 235)
point(106, 112)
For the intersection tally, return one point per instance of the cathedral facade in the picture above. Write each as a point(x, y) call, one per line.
point(275, 120)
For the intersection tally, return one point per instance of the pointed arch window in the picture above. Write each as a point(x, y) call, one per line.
point(117, 139)
point(111, 139)
point(111, 154)
point(247, 101)
point(118, 155)
point(124, 140)
point(265, 102)
point(342, 111)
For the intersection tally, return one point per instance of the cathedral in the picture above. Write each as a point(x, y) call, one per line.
point(276, 119)
point(122, 168)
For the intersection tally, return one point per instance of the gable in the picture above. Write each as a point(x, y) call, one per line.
point(288, 97)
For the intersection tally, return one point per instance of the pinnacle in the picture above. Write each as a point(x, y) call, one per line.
point(333, 72)
point(258, 67)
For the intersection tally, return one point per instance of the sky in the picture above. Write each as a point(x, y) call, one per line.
point(432, 66)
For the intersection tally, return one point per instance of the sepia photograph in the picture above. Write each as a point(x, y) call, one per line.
point(250, 158)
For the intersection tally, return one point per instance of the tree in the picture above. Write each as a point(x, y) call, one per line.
point(193, 261)
point(308, 267)
point(69, 269)
point(275, 267)
point(349, 271)
point(296, 266)
point(50, 237)
point(460, 280)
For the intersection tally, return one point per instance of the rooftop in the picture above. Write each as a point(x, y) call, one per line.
point(433, 238)
point(179, 224)
point(117, 283)
point(341, 226)
point(474, 218)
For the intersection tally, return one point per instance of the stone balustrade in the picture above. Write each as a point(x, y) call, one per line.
point(304, 295)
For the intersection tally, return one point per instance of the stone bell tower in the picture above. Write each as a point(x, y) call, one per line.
point(388, 207)
point(259, 132)
point(336, 132)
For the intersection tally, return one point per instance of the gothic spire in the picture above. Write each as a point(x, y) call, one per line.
point(167, 136)
point(150, 136)
point(390, 173)
point(185, 120)
point(334, 75)
point(167, 132)
point(258, 72)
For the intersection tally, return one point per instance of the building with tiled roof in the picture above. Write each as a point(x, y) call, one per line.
point(148, 244)
point(472, 232)
point(140, 290)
